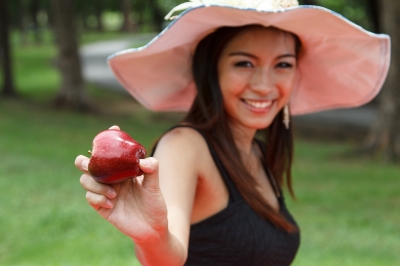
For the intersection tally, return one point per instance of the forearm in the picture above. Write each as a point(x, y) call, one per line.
point(168, 251)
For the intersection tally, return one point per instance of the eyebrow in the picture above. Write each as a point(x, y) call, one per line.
point(287, 55)
point(255, 57)
point(242, 53)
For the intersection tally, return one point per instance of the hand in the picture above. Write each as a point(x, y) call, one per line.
point(136, 206)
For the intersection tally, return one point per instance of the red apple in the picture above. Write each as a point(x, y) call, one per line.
point(115, 157)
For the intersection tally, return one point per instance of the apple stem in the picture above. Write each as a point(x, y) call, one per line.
point(89, 151)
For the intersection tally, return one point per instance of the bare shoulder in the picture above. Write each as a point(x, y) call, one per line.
point(185, 141)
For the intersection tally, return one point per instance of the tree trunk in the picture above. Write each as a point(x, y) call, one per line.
point(72, 94)
point(385, 135)
point(34, 10)
point(5, 52)
point(83, 19)
point(23, 40)
point(373, 11)
point(157, 15)
point(127, 24)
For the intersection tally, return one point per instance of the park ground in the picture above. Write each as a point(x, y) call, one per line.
point(347, 206)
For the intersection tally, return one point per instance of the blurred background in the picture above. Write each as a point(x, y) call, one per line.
point(57, 93)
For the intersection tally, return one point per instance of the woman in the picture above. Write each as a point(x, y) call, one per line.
point(211, 193)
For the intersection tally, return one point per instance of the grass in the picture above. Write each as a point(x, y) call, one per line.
point(347, 207)
point(43, 210)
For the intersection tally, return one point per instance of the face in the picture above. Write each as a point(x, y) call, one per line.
point(257, 71)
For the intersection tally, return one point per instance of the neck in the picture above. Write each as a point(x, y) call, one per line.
point(248, 150)
point(243, 137)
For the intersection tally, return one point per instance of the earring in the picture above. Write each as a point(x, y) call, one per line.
point(286, 117)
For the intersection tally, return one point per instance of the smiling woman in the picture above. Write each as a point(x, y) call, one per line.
point(211, 193)
point(244, 77)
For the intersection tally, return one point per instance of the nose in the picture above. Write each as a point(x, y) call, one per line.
point(261, 82)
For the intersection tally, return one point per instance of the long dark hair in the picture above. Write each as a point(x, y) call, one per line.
point(208, 115)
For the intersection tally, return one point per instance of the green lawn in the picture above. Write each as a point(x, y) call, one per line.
point(348, 208)
point(44, 217)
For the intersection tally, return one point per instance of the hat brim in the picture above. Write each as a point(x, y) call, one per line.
point(342, 65)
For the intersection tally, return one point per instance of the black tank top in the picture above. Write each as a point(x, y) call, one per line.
point(237, 235)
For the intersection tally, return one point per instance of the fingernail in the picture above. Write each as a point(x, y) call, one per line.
point(109, 204)
point(85, 164)
point(144, 162)
point(111, 193)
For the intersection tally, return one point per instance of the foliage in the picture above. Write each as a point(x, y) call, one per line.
point(355, 10)
point(35, 15)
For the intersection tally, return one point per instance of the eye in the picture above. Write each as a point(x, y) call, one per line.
point(284, 65)
point(245, 64)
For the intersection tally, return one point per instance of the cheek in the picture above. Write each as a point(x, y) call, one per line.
point(287, 87)
point(231, 84)
point(287, 90)
point(230, 94)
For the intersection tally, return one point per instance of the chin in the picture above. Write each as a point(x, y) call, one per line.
point(258, 125)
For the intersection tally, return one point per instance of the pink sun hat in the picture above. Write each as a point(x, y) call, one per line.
point(341, 64)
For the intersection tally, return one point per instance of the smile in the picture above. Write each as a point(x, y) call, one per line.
point(258, 104)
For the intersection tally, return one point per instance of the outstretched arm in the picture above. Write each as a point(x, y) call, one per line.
point(155, 209)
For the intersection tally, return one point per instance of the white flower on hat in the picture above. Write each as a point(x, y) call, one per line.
point(256, 4)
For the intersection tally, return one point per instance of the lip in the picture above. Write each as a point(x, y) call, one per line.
point(258, 106)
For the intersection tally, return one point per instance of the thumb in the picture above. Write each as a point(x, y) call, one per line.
point(150, 168)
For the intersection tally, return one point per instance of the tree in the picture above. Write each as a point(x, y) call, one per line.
point(127, 24)
point(90, 13)
point(385, 134)
point(157, 14)
point(5, 51)
point(34, 10)
point(372, 8)
point(20, 17)
point(98, 10)
point(72, 94)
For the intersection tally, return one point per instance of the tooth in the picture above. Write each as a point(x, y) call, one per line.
point(257, 104)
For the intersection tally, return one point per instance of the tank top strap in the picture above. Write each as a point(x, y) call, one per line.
point(234, 194)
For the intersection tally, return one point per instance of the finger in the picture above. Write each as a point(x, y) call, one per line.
point(115, 127)
point(98, 201)
point(82, 162)
point(150, 168)
point(91, 185)
point(95, 207)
